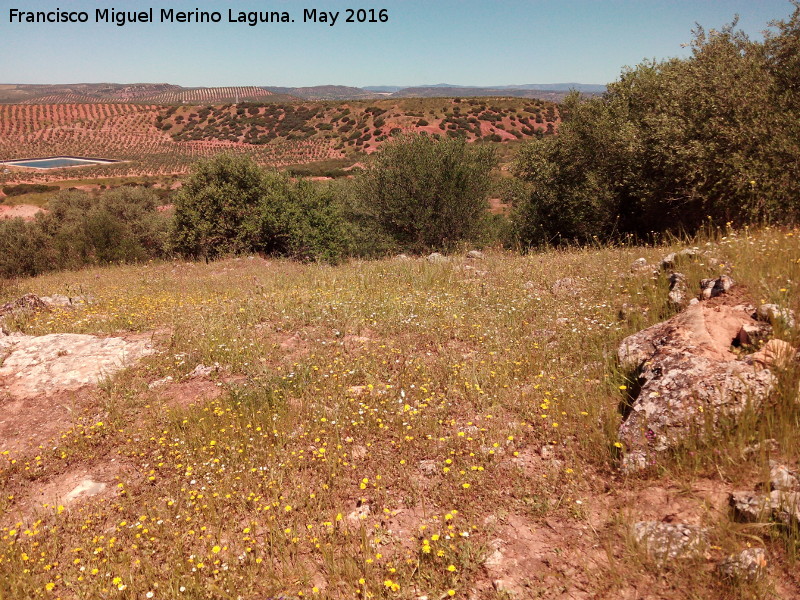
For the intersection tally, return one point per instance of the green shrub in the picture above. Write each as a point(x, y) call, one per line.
point(28, 188)
point(425, 193)
point(232, 206)
point(216, 210)
point(118, 226)
point(674, 143)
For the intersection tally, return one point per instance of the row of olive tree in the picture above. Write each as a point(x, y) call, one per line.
point(673, 143)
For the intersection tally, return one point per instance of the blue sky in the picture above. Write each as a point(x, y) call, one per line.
point(467, 42)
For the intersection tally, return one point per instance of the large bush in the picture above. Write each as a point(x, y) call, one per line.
point(673, 143)
point(216, 210)
point(426, 193)
point(79, 229)
point(230, 205)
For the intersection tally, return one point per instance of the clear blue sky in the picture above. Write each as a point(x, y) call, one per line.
point(467, 42)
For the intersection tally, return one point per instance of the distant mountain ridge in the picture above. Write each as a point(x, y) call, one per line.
point(165, 93)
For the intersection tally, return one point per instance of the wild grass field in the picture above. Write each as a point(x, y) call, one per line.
point(384, 429)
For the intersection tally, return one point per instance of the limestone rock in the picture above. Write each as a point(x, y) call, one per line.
point(666, 542)
point(749, 565)
point(711, 288)
point(35, 365)
point(752, 333)
point(772, 313)
point(778, 505)
point(24, 304)
point(688, 378)
point(782, 479)
point(475, 255)
point(428, 467)
point(359, 514)
point(673, 258)
point(678, 292)
point(565, 285)
point(775, 354)
point(640, 266)
point(436, 257)
point(84, 489)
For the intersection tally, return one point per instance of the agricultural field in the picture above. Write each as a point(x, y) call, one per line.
point(154, 140)
point(389, 429)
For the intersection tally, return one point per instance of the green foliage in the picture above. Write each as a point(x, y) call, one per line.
point(425, 193)
point(232, 206)
point(78, 230)
point(28, 188)
point(216, 210)
point(672, 144)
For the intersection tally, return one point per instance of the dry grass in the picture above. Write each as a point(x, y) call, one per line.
point(424, 392)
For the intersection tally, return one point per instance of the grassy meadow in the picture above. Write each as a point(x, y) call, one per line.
point(373, 428)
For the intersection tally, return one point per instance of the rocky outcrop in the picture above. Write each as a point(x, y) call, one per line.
point(748, 565)
point(33, 365)
point(666, 542)
point(689, 379)
point(678, 296)
point(711, 288)
point(781, 503)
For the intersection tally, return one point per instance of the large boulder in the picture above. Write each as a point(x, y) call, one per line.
point(689, 379)
point(35, 365)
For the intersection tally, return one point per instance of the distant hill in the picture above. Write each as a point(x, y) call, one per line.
point(165, 93)
point(326, 92)
point(468, 92)
point(146, 93)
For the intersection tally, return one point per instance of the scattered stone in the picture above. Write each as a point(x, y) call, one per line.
point(475, 255)
point(359, 514)
point(711, 288)
point(751, 334)
point(748, 565)
point(775, 354)
point(428, 467)
point(494, 560)
point(678, 292)
point(35, 365)
point(779, 505)
point(671, 259)
point(640, 265)
point(546, 452)
point(436, 257)
point(771, 313)
point(565, 285)
point(665, 542)
point(358, 452)
point(402, 257)
point(356, 390)
point(160, 382)
point(782, 479)
point(25, 304)
point(688, 377)
point(85, 488)
point(769, 445)
point(203, 371)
